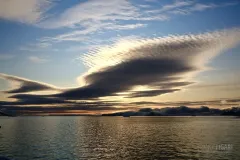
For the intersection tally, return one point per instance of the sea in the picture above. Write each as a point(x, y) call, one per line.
point(127, 138)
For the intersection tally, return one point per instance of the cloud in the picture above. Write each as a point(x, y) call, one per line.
point(94, 16)
point(97, 15)
point(202, 7)
point(94, 10)
point(36, 59)
point(26, 85)
point(151, 93)
point(171, 84)
point(123, 27)
point(89, 28)
point(199, 7)
point(47, 109)
point(124, 76)
point(146, 62)
point(72, 109)
point(27, 11)
point(29, 99)
point(197, 49)
point(176, 4)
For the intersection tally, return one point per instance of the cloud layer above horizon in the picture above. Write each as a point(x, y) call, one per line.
point(132, 68)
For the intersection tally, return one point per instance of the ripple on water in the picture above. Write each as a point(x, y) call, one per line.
point(51, 138)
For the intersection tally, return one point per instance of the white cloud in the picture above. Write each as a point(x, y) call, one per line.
point(103, 11)
point(202, 7)
point(100, 15)
point(25, 11)
point(82, 35)
point(180, 12)
point(97, 16)
point(36, 59)
point(77, 35)
point(144, 6)
point(94, 10)
point(176, 4)
point(128, 26)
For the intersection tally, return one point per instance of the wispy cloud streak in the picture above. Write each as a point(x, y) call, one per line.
point(94, 16)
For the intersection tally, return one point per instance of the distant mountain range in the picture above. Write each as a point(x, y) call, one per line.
point(179, 111)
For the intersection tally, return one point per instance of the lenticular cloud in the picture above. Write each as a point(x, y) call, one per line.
point(146, 62)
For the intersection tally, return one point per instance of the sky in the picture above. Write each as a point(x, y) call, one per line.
point(100, 56)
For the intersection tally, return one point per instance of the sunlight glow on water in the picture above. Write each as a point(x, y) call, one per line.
point(69, 138)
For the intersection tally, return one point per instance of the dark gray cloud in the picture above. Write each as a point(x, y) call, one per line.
point(62, 108)
point(171, 84)
point(26, 85)
point(30, 99)
point(35, 99)
point(124, 76)
point(55, 106)
point(151, 93)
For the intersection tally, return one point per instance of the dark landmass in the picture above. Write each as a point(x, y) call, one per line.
point(179, 111)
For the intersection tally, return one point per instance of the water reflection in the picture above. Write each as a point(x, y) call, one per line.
point(119, 138)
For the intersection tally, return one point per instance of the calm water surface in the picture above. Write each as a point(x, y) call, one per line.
point(70, 138)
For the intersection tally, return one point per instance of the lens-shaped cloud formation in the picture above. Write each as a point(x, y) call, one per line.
point(155, 63)
point(126, 75)
point(26, 85)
